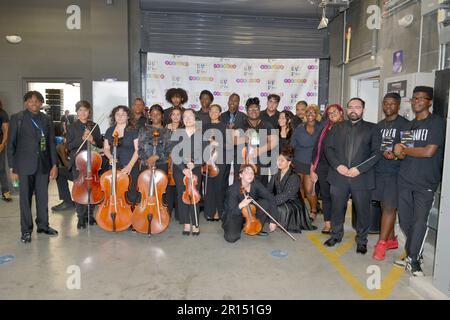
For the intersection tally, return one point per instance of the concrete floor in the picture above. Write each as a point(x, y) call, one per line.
point(172, 266)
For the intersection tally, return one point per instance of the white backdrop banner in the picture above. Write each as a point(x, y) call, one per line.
point(292, 79)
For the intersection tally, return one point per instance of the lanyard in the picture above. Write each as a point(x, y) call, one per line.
point(37, 127)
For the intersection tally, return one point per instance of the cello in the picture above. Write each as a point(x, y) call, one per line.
point(114, 214)
point(86, 188)
point(151, 216)
point(252, 224)
point(191, 196)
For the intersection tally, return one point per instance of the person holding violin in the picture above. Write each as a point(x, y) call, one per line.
point(176, 118)
point(239, 197)
point(215, 181)
point(127, 150)
point(187, 161)
point(285, 185)
point(77, 133)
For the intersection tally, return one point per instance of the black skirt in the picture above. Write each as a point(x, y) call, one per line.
point(294, 217)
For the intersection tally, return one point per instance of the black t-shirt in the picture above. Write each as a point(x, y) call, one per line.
point(390, 131)
point(273, 119)
point(424, 173)
point(3, 119)
point(203, 117)
point(259, 134)
point(219, 131)
point(69, 119)
point(125, 148)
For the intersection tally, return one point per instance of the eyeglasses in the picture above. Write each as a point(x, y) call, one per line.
point(420, 98)
point(335, 112)
point(252, 109)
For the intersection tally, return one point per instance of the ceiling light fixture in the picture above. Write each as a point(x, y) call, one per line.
point(324, 21)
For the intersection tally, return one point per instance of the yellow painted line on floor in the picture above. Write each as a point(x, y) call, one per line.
point(387, 285)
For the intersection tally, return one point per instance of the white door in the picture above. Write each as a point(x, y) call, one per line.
point(368, 90)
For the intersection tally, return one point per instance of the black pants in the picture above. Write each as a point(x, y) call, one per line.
point(324, 186)
point(361, 200)
point(28, 185)
point(83, 210)
point(3, 176)
point(62, 181)
point(413, 210)
point(185, 212)
point(132, 194)
point(233, 224)
point(214, 194)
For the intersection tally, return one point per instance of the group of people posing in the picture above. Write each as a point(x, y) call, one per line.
point(278, 159)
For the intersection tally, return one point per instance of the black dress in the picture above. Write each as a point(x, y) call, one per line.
point(291, 209)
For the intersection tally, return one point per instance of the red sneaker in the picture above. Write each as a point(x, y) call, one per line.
point(380, 250)
point(392, 243)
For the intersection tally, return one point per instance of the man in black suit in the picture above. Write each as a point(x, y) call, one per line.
point(352, 151)
point(32, 160)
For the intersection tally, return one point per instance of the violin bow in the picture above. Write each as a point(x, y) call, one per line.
point(272, 218)
point(103, 117)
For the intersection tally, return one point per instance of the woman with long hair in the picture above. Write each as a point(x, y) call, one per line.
point(319, 166)
point(285, 127)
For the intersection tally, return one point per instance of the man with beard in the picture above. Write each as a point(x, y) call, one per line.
point(386, 173)
point(419, 175)
point(352, 150)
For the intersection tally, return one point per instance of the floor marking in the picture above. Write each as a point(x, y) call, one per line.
point(387, 284)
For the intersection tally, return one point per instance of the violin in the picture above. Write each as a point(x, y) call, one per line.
point(248, 154)
point(191, 196)
point(151, 216)
point(86, 187)
point(114, 214)
point(252, 224)
point(210, 169)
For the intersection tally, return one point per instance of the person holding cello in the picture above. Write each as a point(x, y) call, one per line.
point(127, 150)
point(187, 161)
point(77, 133)
point(239, 202)
point(214, 180)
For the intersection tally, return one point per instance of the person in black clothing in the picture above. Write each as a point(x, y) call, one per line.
point(234, 120)
point(261, 141)
point(206, 98)
point(4, 126)
point(352, 151)
point(176, 97)
point(320, 165)
point(187, 159)
point(127, 149)
point(285, 128)
point(233, 220)
point(271, 113)
point(419, 175)
point(77, 133)
point(300, 113)
point(66, 120)
point(139, 117)
point(32, 160)
point(386, 171)
point(213, 187)
point(285, 185)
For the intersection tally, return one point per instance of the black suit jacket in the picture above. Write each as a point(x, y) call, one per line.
point(340, 150)
point(24, 154)
point(241, 119)
point(74, 139)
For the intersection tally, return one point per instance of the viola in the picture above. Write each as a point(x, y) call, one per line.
point(86, 187)
point(249, 153)
point(114, 213)
point(252, 224)
point(210, 169)
point(151, 215)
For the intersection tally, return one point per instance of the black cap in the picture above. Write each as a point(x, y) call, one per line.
point(427, 90)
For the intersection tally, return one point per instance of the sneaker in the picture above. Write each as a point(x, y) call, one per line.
point(392, 243)
point(415, 268)
point(6, 196)
point(380, 250)
point(401, 262)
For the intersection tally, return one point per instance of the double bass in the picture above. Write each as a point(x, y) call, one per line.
point(151, 216)
point(114, 214)
point(86, 187)
point(252, 224)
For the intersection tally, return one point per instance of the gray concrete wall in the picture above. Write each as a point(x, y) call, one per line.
point(50, 51)
point(391, 38)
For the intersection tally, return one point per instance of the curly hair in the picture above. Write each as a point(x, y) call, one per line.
point(112, 117)
point(251, 101)
point(172, 92)
point(316, 110)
